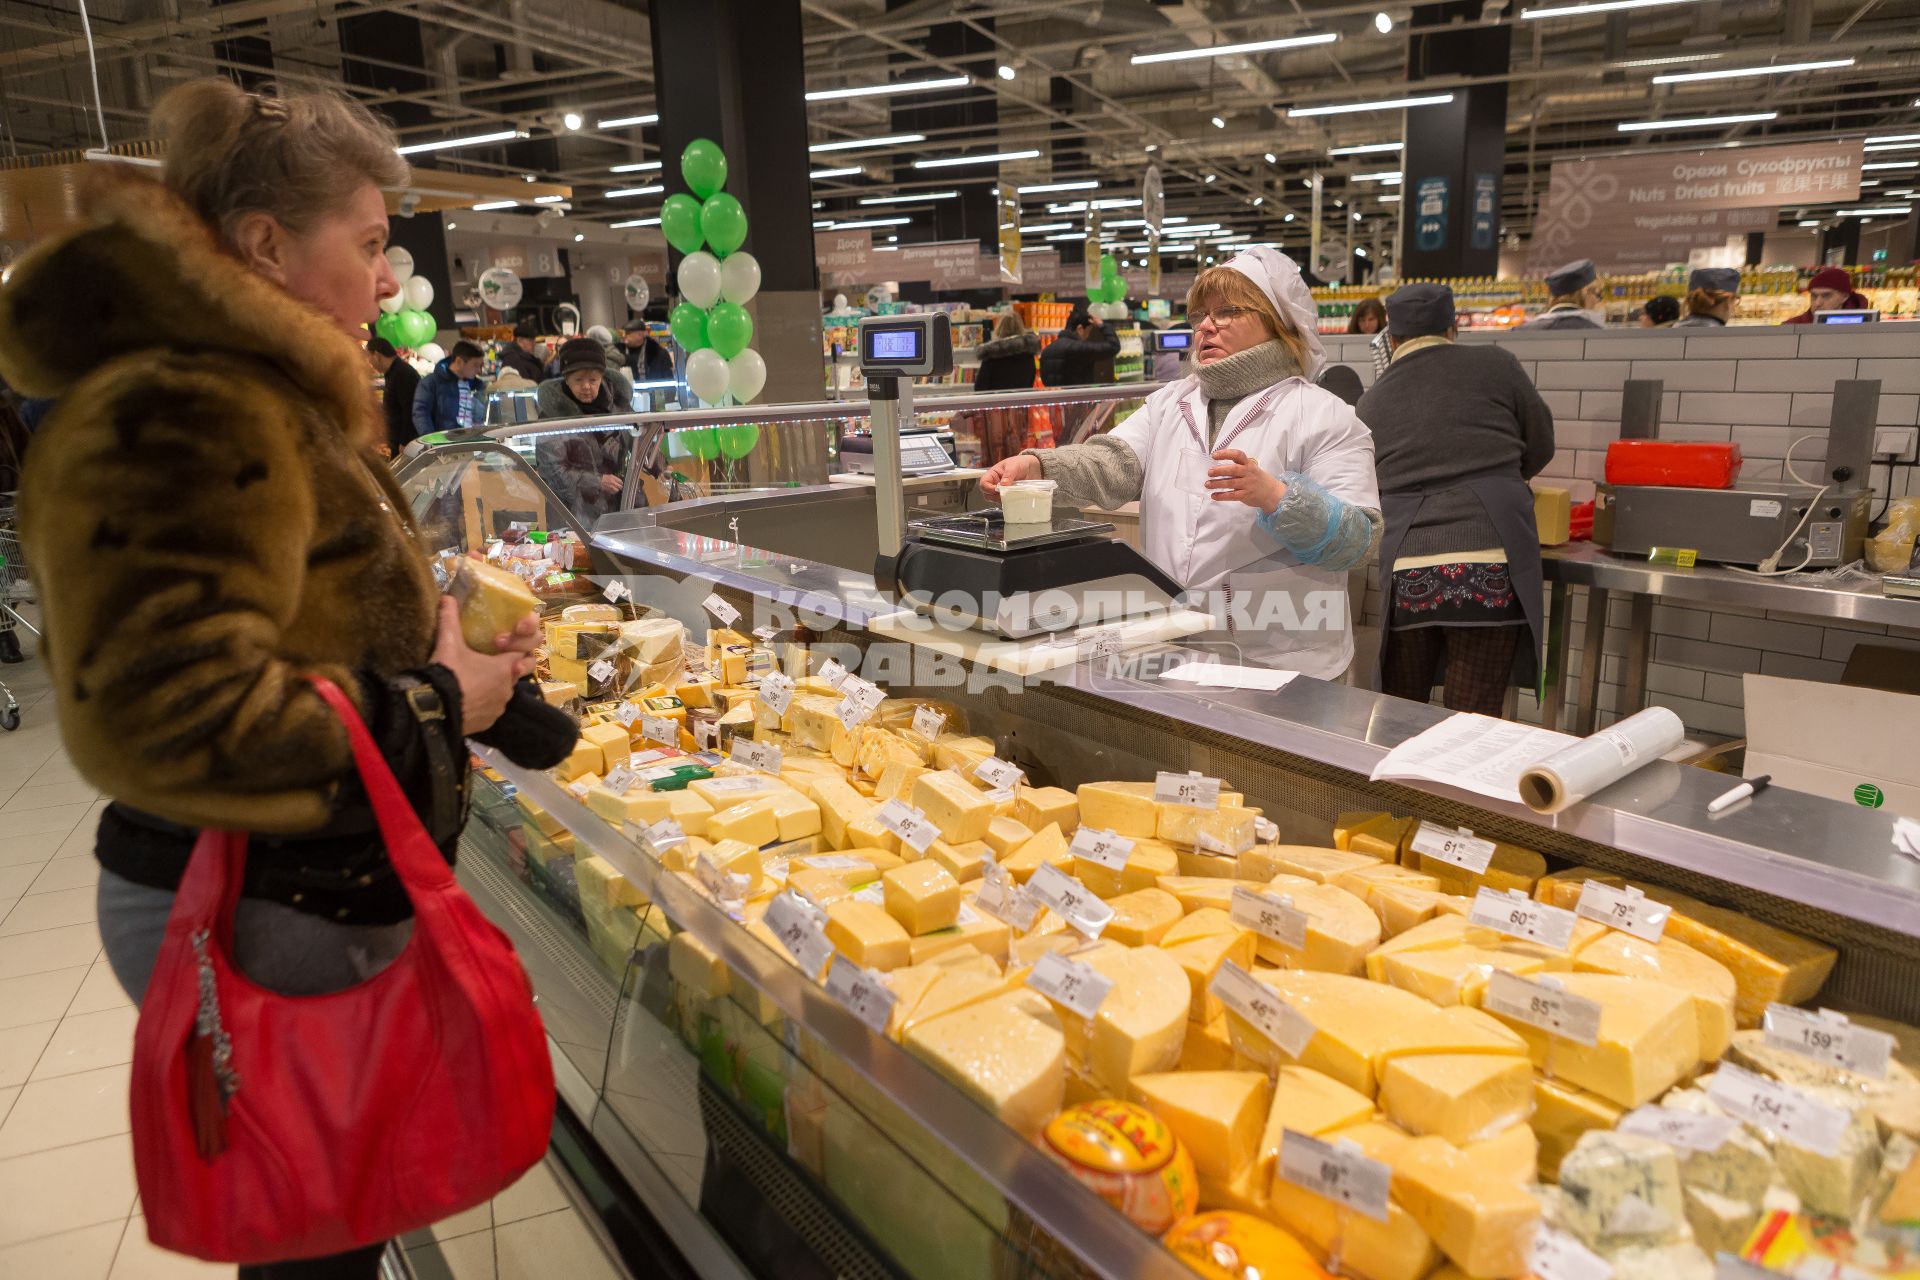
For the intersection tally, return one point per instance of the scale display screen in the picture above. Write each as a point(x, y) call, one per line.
point(1176, 340)
point(1845, 317)
point(906, 346)
point(894, 344)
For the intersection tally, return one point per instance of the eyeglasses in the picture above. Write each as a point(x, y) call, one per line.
point(1220, 316)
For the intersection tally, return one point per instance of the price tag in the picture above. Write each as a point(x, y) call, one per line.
point(1108, 848)
point(1187, 788)
point(1005, 900)
point(1627, 910)
point(763, 756)
point(1071, 900)
point(1679, 1128)
point(1265, 832)
point(1828, 1038)
point(601, 671)
point(795, 922)
point(620, 779)
point(765, 635)
point(578, 789)
point(861, 992)
point(1097, 645)
point(1271, 1016)
point(718, 881)
point(1555, 1255)
point(1068, 982)
point(998, 774)
point(663, 835)
point(912, 826)
point(1800, 1119)
point(1340, 1173)
point(862, 698)
point(720, 609)
point(1538, 1004)
point(626, 713)
point(833, 673)
point(928, 723)
point(616, 592)
point(1461, 848)
point(1270, 916)
point(659, 729)
point(1518, 916)
point(776, 690)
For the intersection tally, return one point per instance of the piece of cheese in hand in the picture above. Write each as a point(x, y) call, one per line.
point(956, 806)
point(1008, 1053)
point(1649, 1039)
point(1484, 1222)
point(865, 934)
point(492, 602)
point(1460, 1097)
point(1216, 1115)
point(922, 896)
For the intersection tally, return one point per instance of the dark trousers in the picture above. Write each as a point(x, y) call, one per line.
point(1474, 663)
point(361, 1264)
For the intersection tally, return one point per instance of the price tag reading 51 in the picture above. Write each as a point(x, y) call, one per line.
point(1342, 1174)
point(1187, 788)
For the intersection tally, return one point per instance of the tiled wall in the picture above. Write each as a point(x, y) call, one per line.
point(1760, 387)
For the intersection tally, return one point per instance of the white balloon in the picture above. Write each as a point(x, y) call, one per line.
point(746, 375)
point(739, 278)
point(432, 352)
point(707, 374)
point(402, 263)
point(392, 304)
point(839, 302)
point(418, 291)
point(700, 279)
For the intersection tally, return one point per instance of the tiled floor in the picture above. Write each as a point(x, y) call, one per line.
point(68, 1207)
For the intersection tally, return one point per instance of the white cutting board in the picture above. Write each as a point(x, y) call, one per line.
point(909, 482)
point(1040, 653)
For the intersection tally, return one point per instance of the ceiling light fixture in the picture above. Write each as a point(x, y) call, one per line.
point(624, 192)
point(1288, 218)
point(847, 172)
point(1383, 23)
point(496, 204)
point(1892, 164)
point(1598, 6)
point(637, 222)
point(871, 222)
point(1087, 185)
point(1735, 73)
point(1387, 104)
point(1810, 222)
point(627, 122)
point(855, 144)
point(572, 120)
point(578, 236)
point(1366, 149)
point(1271, 158)
point(1224, 50)
point(1385, 175)
point(1693, 122)
point(897, 86)
point(991, 157)
point(1006, 72)
point(1873, 213)
point(1152, 147)
point(1258, 201)
point(638, 167)
point(1211, 177)
point(1218, 123)
point(1673, 60)
point(910, 199)
point(548, 199)
point(471, 140)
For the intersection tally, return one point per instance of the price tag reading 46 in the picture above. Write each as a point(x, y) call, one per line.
point(1187, 788)
point(1342, 1174)
point(1271, 1016)
point(1269, 916)
point(1627, 910)
point(1518, 916)
point(1827, 1037)
point(1461, 848)
point(1554, 1011)
point(1070, 983)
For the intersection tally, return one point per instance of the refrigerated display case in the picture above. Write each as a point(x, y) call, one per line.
point(759, 1120)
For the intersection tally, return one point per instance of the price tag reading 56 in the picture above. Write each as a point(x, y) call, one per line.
point(1342, 1174)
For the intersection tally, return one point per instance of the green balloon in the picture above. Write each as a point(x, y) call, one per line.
point(704, 165)
point(737, 441)
point(680, 222)
point(729, 328)
point(725, 224)
point(1109, 269)
point(702, 443)
point(391, 327)
point(419, 328)
point(689, 326)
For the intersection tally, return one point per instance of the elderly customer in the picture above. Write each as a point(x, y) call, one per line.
point(518, 355)
point(1256, 487)
point(1573, 299)
point(1712, 293)
point(1457, 433)
point(1831, 289)
point(587, 470)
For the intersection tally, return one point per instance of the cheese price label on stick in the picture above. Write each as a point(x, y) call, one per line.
point(718, 881)
point(998, 773)
point(1461, 848)
point(1107, 848)
point(616, 591)
point(1828, 1038)
point(659, 729)
point(1187, 788)
point(1518, 916)
point(1069, 983)
point(626, 713)
point(1543, 1005)
point(1627, 910)
point(1679, 1128)
point(620, 779)
point(601, 671)
point(776, 690)
point(833, 673)
point(861, 699)
point(1269, 915)
point(1001, 897)
point(663, 835)
point(765, 635)
point(1072, 901)
point(797, 924)
point(725, 613)
point(1800, 1119)
point(928, 723)
point(912, 826)
point(1339, 1172)
point(1256, 1002)
point(763, 756)
point(862, 992)
point(1555, 1255)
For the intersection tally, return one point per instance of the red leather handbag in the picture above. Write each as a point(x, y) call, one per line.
point(269, 1127)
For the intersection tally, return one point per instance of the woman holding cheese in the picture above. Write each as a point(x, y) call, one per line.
point(1256, 487)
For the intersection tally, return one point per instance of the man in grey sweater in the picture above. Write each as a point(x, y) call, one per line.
point(1457, 432)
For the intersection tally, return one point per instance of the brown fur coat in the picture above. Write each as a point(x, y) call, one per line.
point(203, 518)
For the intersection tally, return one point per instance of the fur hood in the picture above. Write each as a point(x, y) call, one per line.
point(1021, 344)
point(147, 273)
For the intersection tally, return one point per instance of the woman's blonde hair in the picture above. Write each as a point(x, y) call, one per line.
point(1223, 286)
point(231, 153)
point(1009, 325)
point(1708, 301)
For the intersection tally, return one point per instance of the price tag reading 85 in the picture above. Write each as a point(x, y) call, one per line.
point(1549, 1008)
point(1342, 1174)
point(1000, 775)
point(1187, 788)
point(1518, 916)
point(1827, 1037)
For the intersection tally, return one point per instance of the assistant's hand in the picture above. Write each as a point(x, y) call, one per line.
point(1238, 478)
point(1021, 466)
point(486, 679)
point(612, 484)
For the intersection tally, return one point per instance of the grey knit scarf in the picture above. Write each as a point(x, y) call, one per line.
point(1227, 381)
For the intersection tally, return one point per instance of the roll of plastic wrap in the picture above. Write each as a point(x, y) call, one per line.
point(1571, 775)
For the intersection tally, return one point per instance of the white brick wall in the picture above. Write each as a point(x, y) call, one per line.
point(1762, 388)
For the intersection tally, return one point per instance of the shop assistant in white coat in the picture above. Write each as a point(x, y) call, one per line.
point(1256, 487)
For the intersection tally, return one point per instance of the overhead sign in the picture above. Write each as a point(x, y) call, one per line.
point(844, 257)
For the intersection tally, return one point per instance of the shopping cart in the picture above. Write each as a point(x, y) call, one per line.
point(15, 590)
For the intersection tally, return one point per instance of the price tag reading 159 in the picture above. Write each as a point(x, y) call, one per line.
point(1827, 1037)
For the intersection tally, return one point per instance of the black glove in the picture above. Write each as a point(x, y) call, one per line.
point(531, 732)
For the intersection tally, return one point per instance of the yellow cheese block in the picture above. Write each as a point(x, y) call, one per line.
point(1649, 1039)
point(585, 758)
point(697, 968)
point(1552, 515)
point(1207, 1048)
point(1397, 1249)
point(1047, 845)
point(1319, 865)
point(855, 866)
point(1200, 959)
point(1341, 930)
point(1400, 908)
point(1008, 1053)
point(696, 693)
point(601, 883)
point(908, 983)
point(1455, 975)
point(612, 741)
point(1311, 1103)
point(1202, 923)
point(1004, 835)
point(1126, 808)
point(1561, 1113)
point(1036, 807)
point(778, 816)
point(820, 886)
point(1511, 868)
point(880, 750)
point(1244, 1194)
point(1362, 882)
point(1513, 1153)
point(961, 861)
point(1142, 917)
point(1345, 824)
point(922, 896)
point(951, 749)
point(1231, 829)
point(1142, 1023)
point(1385, 839)
point(1354, 1020)
point(1454, 1029)
point(1197, 864)
point(1709, 982)
point(722, 793)
point(617, 808)
point(1460, 1097)
point(951, 991)
point(1482, 1221)
point(840, 806)
point(1216, 1115)
point(956, 806)
point(867, 935)
point(1439, 933)
point(868, 833)
point(1195, 892)
point(1146, 863)
point(812, 719)
point(977, 932)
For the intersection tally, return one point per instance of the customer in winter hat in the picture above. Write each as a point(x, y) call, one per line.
point(587, 469)
point(1831, 289)
point(1712, 293)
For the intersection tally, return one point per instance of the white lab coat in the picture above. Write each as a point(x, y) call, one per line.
point(1276, 611)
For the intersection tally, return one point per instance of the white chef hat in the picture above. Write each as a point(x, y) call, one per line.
point(1276, 276)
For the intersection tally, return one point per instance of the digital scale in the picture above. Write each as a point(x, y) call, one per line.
point(976, 570)
point(1846, 315)
point(924, 451)
point(1174, 340)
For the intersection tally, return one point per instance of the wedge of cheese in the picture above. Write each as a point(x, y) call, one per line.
point(1311, 1103)
point(1649, 1039)
point(1047, 845)
point(1341, 930)
point(1355, 1021)
point(865, 934)
point(1004, 835)
point(820, 886)
point(1439, 933)
point(961, 861)
point(1454, 1029)
point(1036, 807)
point(977, 932)
point(1385, 839)
point(840, 807)
point(1216, 1115)
point(722, 793)
point(1227, 829)
point(1207, 1047)
point(1142, 917)
point(1007, 1052)
point(1200, 959)
point(1400, 909)
point(1460, 1097)
point(1362, 882)
point(1482, 1221)
point(1319, 865)
point(951, 749)
point(1345, 824)
point(1126, 808)
point(1195, 892)
point(1455, 975)
point(1510, 868)
point(1146, 863)
point(922, 896)
point(1621, 1189)
point(961, 810)
point(1671, 961)
point(1213, 866)
point(951, 991)
point(1561, 1113)
point(1142, 1024)
point(776, 817)
point(1397, 1249)
point(896, 781)
point(1512, 1153)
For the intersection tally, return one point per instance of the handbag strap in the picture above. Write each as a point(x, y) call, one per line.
point(415, 858)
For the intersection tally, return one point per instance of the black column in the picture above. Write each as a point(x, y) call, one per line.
point(732, 71)
point(1455, 153)
point(1844, 236)
point(974, 215)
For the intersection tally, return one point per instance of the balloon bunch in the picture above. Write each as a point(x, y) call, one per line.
point(707, 443)
point(404, 320)
point(1109, 297)
point(711, 323)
